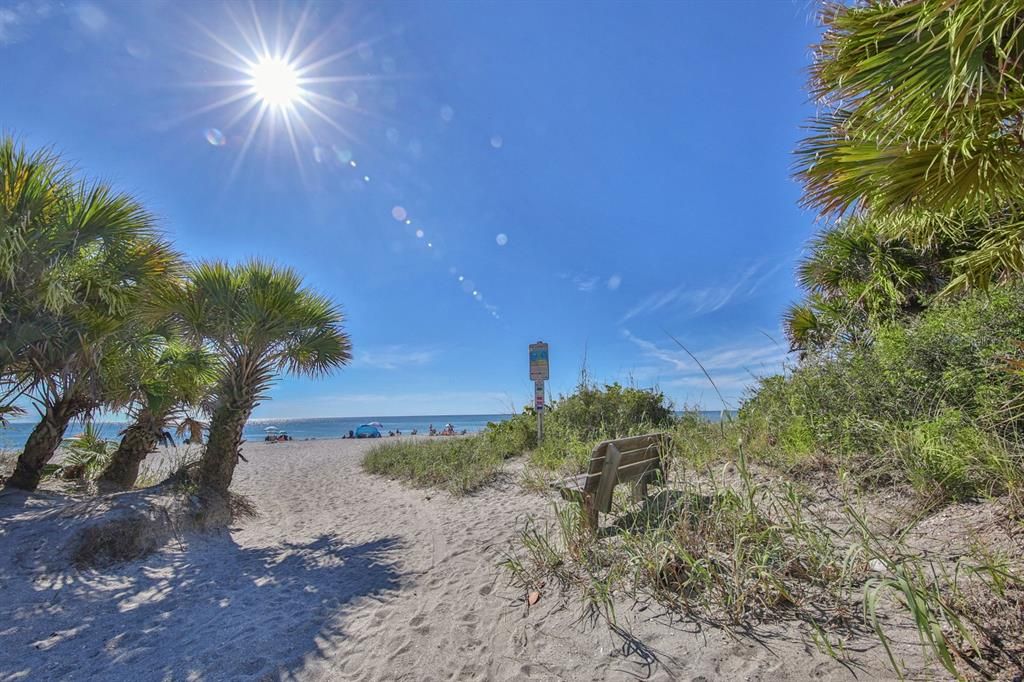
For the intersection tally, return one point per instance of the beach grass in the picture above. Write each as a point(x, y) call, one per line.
point(763, 520)
point(459, 465)
point(737, 545)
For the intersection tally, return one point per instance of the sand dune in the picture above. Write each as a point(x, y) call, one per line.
point(344, 576)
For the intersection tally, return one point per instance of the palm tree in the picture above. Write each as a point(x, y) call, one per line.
point(856, 278)
point(922, 124)
point(74, 261)
point(159, 379)
point(260, 321)
point(923, 104)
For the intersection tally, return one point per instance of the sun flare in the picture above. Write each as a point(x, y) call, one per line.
point(275, 81)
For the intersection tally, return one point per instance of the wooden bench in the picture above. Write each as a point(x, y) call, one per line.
point(636, 460)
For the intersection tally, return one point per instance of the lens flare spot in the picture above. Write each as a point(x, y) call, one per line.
point(342, 155)
point(419, 234)
point(366, 178)
point(502, 239)
point(398, 213)
point(215, 137)
point(497, 141)
point(408, 221)
point(352, 163)
point(91, 16)
point(447, 114)
point(430, 245)
point(461, 278)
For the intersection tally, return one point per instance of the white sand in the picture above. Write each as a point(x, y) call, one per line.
point(344, 576)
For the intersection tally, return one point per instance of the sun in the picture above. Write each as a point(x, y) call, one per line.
point(275, 82)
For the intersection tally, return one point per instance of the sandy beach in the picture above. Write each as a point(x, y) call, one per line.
point(345, 576)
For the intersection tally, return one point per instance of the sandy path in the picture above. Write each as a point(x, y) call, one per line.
point(343, 576)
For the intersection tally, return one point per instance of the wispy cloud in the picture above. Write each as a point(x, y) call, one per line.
point(698, 300)
point(587, 283)
point(733, 367)
point(764, 277)
point(393, 357)
point(17, 18)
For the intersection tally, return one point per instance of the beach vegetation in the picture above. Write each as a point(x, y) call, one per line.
point(919, 125)
point(98, 311)
point(458, 464)
point(159, 379)
point(260, 321)
point(906, 383)
point(87, 454)
point(76, 258)
point(574, 423)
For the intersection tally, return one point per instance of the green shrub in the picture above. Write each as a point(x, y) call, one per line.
point(86, 456)
point(511, 437)
point(951, 458)
point(930, 402)
point(614, 411)
point(575, 423)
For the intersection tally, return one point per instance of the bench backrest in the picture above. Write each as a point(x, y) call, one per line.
point(622, 461)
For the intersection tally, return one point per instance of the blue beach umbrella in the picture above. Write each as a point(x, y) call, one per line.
point(367, 431)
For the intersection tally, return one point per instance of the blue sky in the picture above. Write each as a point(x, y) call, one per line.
point(601, 174)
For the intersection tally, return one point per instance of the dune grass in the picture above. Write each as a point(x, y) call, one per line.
point(458, 465)
point(764, 519)
point(727, 547)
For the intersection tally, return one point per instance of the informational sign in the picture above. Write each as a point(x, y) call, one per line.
point(538, 395)
point(539, 370)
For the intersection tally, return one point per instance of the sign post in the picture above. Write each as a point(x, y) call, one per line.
point(539, 373)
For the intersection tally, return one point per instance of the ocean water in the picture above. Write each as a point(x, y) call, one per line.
point(13, 437)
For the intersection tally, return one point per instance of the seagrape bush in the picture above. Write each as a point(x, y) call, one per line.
point(575, 423)
point(512, 437)
point(611, 411)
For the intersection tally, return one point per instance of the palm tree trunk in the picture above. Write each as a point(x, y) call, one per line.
point(138, 441)
point(226, 425)
point(44, 440)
